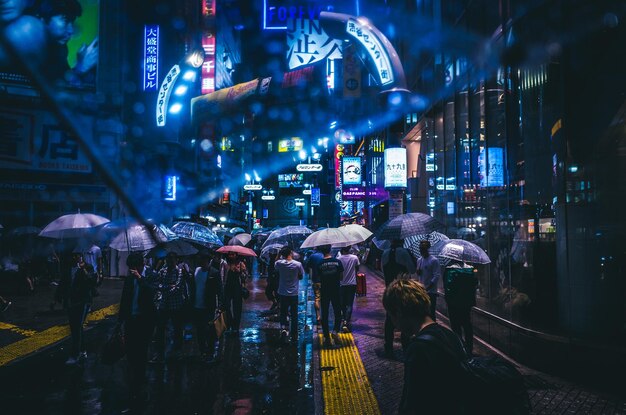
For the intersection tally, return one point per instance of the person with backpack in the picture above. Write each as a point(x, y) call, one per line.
point(459, 285)
point(330, 272)
point(439, 377)
point(207, 296)
point(397, 262)
point(431, 375)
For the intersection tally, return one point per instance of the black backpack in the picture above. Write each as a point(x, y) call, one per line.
point(491, 385)
point(392, 268)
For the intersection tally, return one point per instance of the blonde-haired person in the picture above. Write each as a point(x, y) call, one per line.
point(432, 356)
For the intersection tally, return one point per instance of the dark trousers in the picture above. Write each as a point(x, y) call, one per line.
point(234, 304)
point(347, 293)
point(389, 335)
point(433, 305)
point(327, 298)
point(177, 317)
point(76, 315)
point(289, 302)
point(461, 324)
point(204, 334)
point(138, 331)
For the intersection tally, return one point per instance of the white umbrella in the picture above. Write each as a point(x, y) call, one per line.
point(359, 232)
point(139, 238)
point(240, 239)
point(72, 226)
point(329, 236)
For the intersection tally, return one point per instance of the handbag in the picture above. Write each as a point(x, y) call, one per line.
point(114, 348)
point(245, 293)
point(219, 324)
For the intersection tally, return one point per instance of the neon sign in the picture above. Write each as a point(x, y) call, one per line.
point(164, 95)
point(150, 57)
point(362, 32)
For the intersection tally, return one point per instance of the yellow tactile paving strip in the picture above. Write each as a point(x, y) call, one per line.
point(37, 340)
point(16, 329)
point(345, 386)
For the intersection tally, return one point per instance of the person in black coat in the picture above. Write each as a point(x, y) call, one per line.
point(138, 316)
point(75, 293)
point(206, 297)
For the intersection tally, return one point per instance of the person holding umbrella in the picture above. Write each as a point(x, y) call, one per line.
point(290, 272)
point(236, 275)
point(459, 285)
point(207, 296)
point(330, 271)
point(171, 299)
point(396, 261)
point(429, 272)
point(138, 316)
point(74, 292)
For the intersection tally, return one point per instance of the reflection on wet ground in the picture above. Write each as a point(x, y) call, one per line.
point(255, 373)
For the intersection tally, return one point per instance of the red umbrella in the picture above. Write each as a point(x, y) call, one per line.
point(241, 250)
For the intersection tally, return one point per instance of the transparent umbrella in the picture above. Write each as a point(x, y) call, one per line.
point(197, 233)
point(139, 238)
point(266, 251)
point(359, 232)
point(465, 251)
point(293, 236)
point(330, 236)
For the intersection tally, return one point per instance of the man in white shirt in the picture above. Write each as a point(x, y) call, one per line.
point(347, 286)
point(290, 272)
point(429, 273)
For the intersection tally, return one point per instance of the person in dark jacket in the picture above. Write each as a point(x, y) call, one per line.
point(138, 316)
point(432, 370)
point(459, 286)
point(74, 292)
point(207, 297)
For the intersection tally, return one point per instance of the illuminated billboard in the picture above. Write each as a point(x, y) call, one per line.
point(351, 170)
point(395, 168)
point(150, 57)
point(290, 144)
point(291, 180)
point(491, 167)
point(70, 55)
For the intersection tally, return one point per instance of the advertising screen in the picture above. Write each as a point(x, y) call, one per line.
point(395, 168)
point(69, 58)
point(491, 167)
point(290, 144)
point(290, 180)
point(351, 170)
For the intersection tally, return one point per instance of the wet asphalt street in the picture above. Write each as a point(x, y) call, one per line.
point(255, 373)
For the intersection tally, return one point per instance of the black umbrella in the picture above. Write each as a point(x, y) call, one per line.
point(409, 224)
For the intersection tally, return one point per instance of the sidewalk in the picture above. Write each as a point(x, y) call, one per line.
point(30, 325)
point(548, 394)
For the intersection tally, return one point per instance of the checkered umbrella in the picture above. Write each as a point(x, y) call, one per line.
point(437, 241)
point(409, 224)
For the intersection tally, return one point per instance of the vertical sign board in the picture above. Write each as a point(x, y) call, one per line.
point(338, 156)
point(351, 73)
point(164, 95)
point(315, 196)
point(351, 170)
point(208, 45)
point(395, 168)
point(396, 205)
point(150, 57)
point(491, 167)
point(366, 36)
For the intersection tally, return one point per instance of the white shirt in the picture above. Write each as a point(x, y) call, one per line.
point(430, 273)
point(350, 262)
point(289, 274)
point(92, 255)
